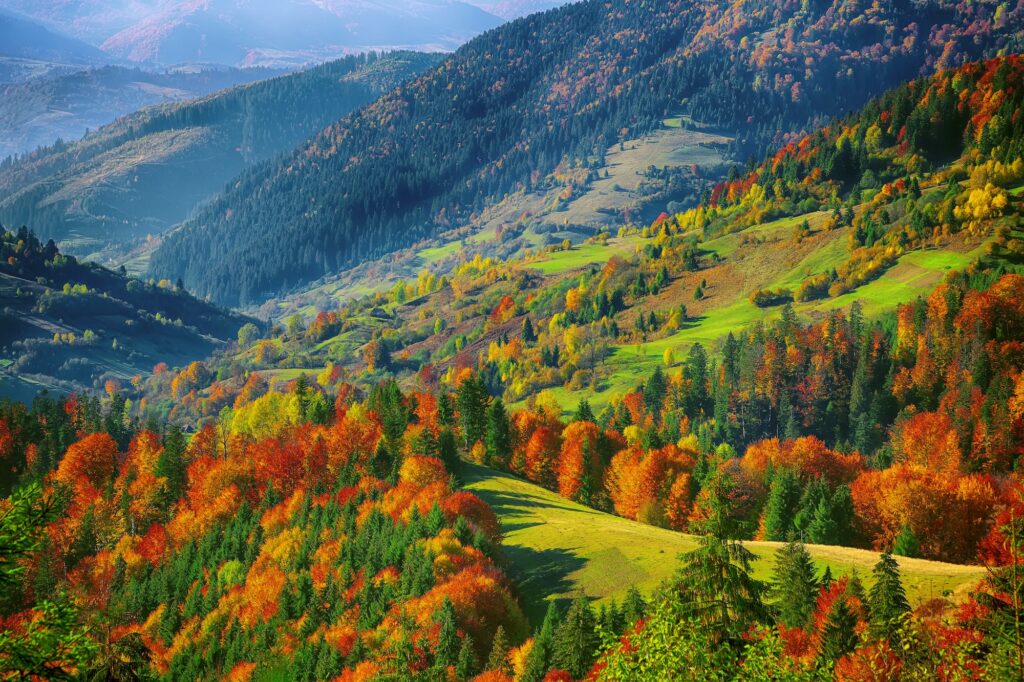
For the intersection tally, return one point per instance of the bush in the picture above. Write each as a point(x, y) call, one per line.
point(766, 298)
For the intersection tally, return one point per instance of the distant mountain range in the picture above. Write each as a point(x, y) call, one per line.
point(65, 104)
point(558, 90)
point(266, 32)
point(147, 171)
point(21, 38)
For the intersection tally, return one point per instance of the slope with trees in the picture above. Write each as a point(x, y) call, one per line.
point(533, 94)
point(138, 175)
point(77, 326)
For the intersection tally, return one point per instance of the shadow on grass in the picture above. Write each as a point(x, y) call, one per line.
point(539, 574)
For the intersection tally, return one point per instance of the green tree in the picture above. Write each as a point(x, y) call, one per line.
point(466, 665)
point(576, 639)
point(906, 543)
point(887, 601)
point(54, 645)
point(538, 661)
point(583, 412)
point(781, 507)
point(498, 439)
point(838, 636)
point(471, 400)
point(447, 651)
point(498, 659)
point(794, 585)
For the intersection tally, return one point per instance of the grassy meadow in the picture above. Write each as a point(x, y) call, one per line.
point(555, 548)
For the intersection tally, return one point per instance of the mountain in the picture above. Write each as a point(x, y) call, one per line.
point(24, 39)
point(147, 171)
point(514, 9)
point(91, 21)
point(259, 32)
point(557, 89)
point(70, 326)
point(276, 32)
point(65, 105)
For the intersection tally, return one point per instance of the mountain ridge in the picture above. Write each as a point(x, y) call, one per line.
point(477, 128)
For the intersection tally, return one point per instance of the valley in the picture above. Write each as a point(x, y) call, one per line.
point(661, 340)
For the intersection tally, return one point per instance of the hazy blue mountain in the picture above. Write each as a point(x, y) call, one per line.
point(22, 38)
point(147, 171)
point(64, 103)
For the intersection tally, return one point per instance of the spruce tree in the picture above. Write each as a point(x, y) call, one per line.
point(794, 585)
point(887, 602)
point(466, 665)
point(715, 581)
point(781, 506)
point(838, 636)
point(498, 439)
point(826, 577)
point(583, 412)
point(538, 661)
point(498, 659)
point(633, 606)
point(447, 650)
point(528, 335)
point(822, 529)
point(472, 403)
point(576, 639)
point(906, 543)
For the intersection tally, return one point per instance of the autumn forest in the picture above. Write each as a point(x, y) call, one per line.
point(628, 341)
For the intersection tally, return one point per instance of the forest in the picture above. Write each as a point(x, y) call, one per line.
point(136, 176)
point(811, 379)
point(516, 102)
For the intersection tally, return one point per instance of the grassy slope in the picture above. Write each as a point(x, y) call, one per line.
point(915, 275)
point(555, 548)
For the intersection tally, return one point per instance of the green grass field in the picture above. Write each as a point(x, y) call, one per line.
point(581, 255)
point(555, 548)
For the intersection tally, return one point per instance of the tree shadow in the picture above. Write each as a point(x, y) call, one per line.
point(540, 574)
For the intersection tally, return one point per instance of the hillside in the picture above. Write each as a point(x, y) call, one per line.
point(91, 21)
point(696, 341)
point(70, 326)
point(644, 295)
point(65, 104)
point(138, 175)
point(292, 32)
point(555, 548)
point(24, 39)
point(488, 122)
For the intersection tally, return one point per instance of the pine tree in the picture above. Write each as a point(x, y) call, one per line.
point(838, 636)
point(171, 465)
point(583, 412)
point(826, 578)
point(472, 403)
point(576, 639)
point(539, 659)
point(498, 659)
point(906, 543)
point(794, 585)
point(654, 392)
point(822, 529)
point(781, 506)
point(718, 587)
point(633, 606)
point(498, 439)
point(447, 650)
point(888, 601)
point(528, 335)
point(466, 665)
